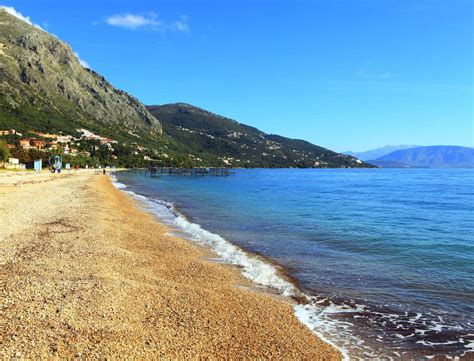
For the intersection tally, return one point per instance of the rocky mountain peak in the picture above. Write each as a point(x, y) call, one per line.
point(36, 67)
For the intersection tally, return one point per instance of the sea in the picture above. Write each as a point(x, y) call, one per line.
point(379, 261)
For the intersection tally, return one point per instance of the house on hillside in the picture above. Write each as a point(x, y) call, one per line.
point(64, 139)
point(108, 141)
point(69, 150)
point(25, 144)
point(47, 135)
point(30, 143)
point(38, 144)
point(9, 131)
point(88, 134)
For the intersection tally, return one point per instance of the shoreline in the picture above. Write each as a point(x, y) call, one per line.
point(279, 283)
point(325, 316)
point(88, 272)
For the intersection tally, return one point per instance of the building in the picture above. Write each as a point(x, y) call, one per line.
point(29, 143)
point(88, 134)
point(46, 135)
point(108, 141)
point(64, 138)
point(9, 131)
point(25, 143)
point(38, 144)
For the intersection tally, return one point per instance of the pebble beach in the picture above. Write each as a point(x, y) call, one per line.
point(86, 273)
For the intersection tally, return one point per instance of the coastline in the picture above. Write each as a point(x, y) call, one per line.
point(86, 272)
point(219, 214)
point(263, 272)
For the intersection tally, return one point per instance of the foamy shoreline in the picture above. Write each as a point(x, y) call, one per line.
point(260, 271)
point(244, 209)
point(86, 270)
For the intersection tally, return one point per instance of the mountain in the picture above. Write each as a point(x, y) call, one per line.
point(44, 86)
point(220, 140)
point(439, 156)
point(45, 91)
point(379, 152)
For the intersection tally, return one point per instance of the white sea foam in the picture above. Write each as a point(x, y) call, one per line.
point(308, 315)
point(317, 315)
point(428, 343)
point(118, 184)
point(253, 267)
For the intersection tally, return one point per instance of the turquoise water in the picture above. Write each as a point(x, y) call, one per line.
point(386, 257)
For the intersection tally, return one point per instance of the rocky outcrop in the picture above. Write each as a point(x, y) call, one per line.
point(37, 68)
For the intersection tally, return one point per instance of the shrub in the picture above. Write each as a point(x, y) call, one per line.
point(4, 151)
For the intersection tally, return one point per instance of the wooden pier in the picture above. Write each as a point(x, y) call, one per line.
point(189, 172)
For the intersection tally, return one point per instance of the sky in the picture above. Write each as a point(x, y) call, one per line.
point(343, 74)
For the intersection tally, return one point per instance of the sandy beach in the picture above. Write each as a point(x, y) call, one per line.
point(86, 273)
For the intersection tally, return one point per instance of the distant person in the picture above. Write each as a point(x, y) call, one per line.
point(103, 171)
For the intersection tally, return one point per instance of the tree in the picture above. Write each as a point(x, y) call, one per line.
point(22, 155)
point(4, 151)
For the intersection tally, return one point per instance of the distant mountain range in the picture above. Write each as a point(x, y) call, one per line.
point(439, 156)
point(379, 152)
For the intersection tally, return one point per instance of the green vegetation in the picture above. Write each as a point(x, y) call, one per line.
point(45, 89)
point(218, 141)
point(192, 137)
point(4, 151)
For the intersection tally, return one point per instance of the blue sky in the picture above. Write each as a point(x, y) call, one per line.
point(344, 74)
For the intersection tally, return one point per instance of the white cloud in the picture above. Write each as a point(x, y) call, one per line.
point(150, 21)
point(84, 63)
point(366, 74)
point(26, 19)
point(182, 24)
point(131, 21)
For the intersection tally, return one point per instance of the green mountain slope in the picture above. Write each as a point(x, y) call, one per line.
point(44, 87)
point(219, 140)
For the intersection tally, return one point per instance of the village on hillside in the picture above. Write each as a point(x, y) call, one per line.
point(85, 149)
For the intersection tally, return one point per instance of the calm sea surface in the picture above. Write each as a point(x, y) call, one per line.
point(386, 257)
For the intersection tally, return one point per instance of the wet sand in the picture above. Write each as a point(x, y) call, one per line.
point(86, 273)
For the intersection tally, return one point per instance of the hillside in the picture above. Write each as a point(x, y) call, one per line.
point(46, 94)
point(379, 152)
point(220, 140)
point(44, 87)
point(428, 157)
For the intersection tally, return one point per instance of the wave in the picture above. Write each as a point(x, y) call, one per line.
point(253, 267)
point(334, 321)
